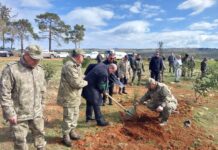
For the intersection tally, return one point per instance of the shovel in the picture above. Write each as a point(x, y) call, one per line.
point(129, 112)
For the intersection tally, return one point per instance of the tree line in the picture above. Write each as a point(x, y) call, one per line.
point(50, 25)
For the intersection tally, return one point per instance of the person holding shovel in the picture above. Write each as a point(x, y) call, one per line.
point(160, 99)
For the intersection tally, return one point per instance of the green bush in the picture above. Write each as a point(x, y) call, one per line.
point(203, 85)
point(86, 62)
point(49, 71)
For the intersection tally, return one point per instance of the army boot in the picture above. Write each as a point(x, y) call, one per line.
point(74, 135)
point(66, 141)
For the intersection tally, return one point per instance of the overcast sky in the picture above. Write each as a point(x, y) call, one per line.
point(129, 23)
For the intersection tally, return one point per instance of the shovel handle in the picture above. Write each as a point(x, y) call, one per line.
point(121, 106)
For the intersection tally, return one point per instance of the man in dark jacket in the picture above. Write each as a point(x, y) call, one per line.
point(112, 77)
point(171, 60)
point(203, 67)
point(97, 84)
point(156, 66)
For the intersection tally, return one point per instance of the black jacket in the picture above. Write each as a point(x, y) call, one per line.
point(97, 79)
point(156, 64)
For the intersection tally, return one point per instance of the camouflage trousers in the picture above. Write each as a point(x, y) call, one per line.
point(21, 129)
point(70, 118)
point(139, 74)
point(190, 72)
point(164, 115)
point(184, 71)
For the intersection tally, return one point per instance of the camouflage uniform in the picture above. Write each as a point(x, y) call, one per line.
point(191, 67)
point(22, 91)
point(161, 96)
point(139, 70)
point(184, 65)
point(69, 94)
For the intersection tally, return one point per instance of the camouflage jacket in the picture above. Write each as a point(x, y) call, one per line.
point(161, 95)
point(71, 84)
point(124, 69)
point(140, 66)
point(191, 64)
point(22, 91)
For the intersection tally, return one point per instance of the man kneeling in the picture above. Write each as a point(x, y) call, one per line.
point(159, 98)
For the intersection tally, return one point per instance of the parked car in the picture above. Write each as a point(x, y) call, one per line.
point(62, 55)
point(6, 53)
point(47, 54)
point(118, 55)
point(91, 55)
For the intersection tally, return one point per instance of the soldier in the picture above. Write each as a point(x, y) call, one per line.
point(191, 66)
point(69, 95)
point(156, 66)
point(139, 68)
point(132, 61)
point(22, 94)
point(204, 67)
point(124, 70)
point(185, 65)
point(160, 99)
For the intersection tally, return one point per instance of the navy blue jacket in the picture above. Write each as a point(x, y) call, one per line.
point(156, 64)
point(171, 59)
point(96, 77)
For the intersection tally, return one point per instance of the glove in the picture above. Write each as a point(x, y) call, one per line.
point(159, 109)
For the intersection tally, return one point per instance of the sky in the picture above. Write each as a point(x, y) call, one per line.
point(129, 23)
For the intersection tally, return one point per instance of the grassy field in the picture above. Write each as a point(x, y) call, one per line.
point(204, 113)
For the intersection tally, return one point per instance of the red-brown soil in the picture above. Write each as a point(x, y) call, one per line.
point(144, 133)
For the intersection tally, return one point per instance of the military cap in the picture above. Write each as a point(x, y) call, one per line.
point(149, 81)
point(77, 52)
point(34, 51)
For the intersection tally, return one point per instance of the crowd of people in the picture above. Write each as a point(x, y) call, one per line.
point(23, 88)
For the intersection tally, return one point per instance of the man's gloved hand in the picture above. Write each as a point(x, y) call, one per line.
point(159, 109)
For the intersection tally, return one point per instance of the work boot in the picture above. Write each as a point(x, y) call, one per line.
point(66, 141)
point(163, 123)
point(120, 91)
point(124, 91)
point(110, 102)
point(74, 135)
point(40, 148)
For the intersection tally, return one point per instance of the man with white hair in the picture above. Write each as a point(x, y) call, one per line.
point(98, 80)
point(160, 99)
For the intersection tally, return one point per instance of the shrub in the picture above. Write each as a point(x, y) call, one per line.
point(49, 71)
point(203, 85)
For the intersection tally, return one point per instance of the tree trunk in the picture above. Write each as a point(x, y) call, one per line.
point(11, 45)
point(3, 40)
point(49, 37)
point(75, 45)
point(21, 43)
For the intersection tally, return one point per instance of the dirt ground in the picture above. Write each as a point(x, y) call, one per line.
point(144, 132)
